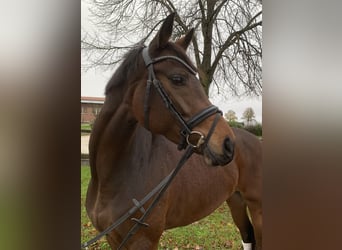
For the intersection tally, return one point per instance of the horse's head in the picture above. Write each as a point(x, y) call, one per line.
point(168, 99)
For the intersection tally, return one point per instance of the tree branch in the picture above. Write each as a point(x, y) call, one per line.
point(233, 37)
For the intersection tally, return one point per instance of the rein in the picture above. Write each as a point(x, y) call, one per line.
point(138, 205)
point(186, 133)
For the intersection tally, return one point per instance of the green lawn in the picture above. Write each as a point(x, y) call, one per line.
point(216, 231)
point(85, 127)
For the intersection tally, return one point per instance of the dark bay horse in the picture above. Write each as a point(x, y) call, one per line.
point(133, 146)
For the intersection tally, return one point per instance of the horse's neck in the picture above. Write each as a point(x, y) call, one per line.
point(122, 142)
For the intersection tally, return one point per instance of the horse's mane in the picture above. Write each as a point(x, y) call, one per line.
point(129, 65)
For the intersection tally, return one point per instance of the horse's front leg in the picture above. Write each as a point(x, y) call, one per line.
point(256, 214)
point(252, 197)
point(238, 209)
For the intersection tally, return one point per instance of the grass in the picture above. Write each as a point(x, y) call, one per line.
point(216, 231)
point(85, 127)
point(87, 230)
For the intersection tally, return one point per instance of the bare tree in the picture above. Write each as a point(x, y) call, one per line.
point(227, 46)
point(248, 115)
point(230, 116)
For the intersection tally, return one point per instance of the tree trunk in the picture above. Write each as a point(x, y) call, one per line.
point(207, 31)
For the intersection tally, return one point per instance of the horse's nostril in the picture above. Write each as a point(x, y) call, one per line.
point(228, 148)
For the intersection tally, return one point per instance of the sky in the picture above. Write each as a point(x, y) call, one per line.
point(93, 83)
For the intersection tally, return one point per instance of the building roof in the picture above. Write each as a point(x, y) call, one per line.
point(89, 99)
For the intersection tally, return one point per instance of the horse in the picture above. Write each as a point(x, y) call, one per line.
point(133, 146)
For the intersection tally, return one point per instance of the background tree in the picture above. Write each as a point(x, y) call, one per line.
point(226, 48)
point(248, 115)
point(230, 116)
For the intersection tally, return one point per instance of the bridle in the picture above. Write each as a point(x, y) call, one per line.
point(186, 142)
point(187, 134)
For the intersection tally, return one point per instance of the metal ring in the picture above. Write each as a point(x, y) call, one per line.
point(200, 140)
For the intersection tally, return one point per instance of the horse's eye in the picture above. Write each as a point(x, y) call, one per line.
point(178, 80)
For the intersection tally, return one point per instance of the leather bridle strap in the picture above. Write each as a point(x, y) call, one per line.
point(187, 126)
point(197, 119)
point(156, 192)
point(162, 58)
point(152, 79)
point(141, 221)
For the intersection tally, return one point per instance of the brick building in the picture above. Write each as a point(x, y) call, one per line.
point(90, 107)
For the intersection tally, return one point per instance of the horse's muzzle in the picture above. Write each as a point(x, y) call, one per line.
point(228, 149)
point(226, 157)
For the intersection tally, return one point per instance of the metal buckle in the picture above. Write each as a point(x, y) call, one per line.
point(200, 140)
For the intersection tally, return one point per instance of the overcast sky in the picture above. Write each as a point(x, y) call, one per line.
point(93, 83)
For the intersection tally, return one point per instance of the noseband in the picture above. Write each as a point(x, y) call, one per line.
point(188, 135)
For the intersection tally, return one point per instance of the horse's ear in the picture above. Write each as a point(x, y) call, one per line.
point(164, 34)
point(185, 40)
